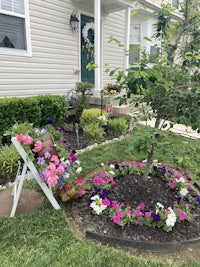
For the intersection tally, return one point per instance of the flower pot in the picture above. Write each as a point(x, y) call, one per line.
point(68, 193)
point(48, 146)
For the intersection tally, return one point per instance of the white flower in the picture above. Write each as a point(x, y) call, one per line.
point(171, 217)
point(79, 170)
point(77, 162)
point(66, 175)
point(112, 173)
point(112, 166)
point(97, 205)
point(183, 192)
point(102, 164)
point(181, 180)
point(159, 205)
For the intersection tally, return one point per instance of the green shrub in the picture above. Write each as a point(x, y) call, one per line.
point(117, 126)
point(19, 110)
point(93, 133)
point(54, 108)
point(92, 116)
point(9, 158)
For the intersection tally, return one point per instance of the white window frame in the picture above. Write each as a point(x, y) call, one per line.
point(25, 16)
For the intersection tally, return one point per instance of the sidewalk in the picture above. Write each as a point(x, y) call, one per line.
point(178, 129)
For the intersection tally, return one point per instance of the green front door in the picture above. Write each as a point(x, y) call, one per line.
point(87, 48)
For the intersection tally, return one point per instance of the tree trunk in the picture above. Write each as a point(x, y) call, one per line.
point(148, 163)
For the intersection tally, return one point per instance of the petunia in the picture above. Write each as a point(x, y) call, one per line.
point(182, 215)
point(27, 140)
point(37, 147)
point(142, 206)
point(148, 214)
point(41, 161)
point(60, 170)
point(120, 213)
point(155, 217)
point(98, 180)
point(129, 213)
point(172, 184)
point(55, 159)
point(138, 213)
point(106, 202)
point(20, 137)
point(116, 219)
point(115, 205)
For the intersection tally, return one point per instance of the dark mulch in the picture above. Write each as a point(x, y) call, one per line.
point(129, 190)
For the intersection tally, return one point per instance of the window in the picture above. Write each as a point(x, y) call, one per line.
point(135, 33)
point(154, 53)
point(134, 53)
point(14, 27)
point(175, 3)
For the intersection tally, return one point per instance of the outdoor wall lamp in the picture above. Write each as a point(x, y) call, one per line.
point(74, 22)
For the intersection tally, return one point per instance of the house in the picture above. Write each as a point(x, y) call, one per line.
point(42, 51)
point(142, 27)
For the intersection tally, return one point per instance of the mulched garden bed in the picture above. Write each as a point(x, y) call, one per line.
point(130, 191)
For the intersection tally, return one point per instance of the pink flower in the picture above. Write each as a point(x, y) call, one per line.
point(51, 178)
point(106, 202)
point(115, 205)
point(20, 137)
point(148, 214)
point(55, 159)
point(129, 213)
point(116, 219)
point(98, 180)
point(142, 206)
point(60, 170)
point(172, 184)
point(120, 213)
point(138, 213)
point(80, 181)
point(27, 140)
point(51, 167)
point(38, 146)
point(182, 215)
point(139, 164)
point(102, 174)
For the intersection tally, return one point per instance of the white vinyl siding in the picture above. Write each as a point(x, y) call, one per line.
point(114, 55)
point(55, 62)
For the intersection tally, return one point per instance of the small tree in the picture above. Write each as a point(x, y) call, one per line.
point(164, 91)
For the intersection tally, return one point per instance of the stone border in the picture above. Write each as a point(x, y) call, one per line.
point(144, 245)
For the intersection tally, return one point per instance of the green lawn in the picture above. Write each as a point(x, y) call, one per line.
point(44, 238)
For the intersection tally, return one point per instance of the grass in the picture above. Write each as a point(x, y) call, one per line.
point(45, 238)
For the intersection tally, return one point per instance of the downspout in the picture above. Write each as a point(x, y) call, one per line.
point(127, 37)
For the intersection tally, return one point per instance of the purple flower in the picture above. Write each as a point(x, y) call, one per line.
point(47, 155)
point(40, 161)
point(43, 131)
point(50, 121)
point(116, 166)
point(198, 200)
point(155, 217)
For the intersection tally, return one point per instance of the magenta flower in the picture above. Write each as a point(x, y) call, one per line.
point(115, 205)
point(106, 202)
point(182, 215)
point(148, 214)
point(139, 164)
point(72, 157)
point(79, 181)
point(116, 219)
point(142, 206)
point(98, 180)
point(120, 213)
point(138, 213)
point(102, 174)
point(172, 184)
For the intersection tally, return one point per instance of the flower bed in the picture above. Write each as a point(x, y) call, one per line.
point(181, 206)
